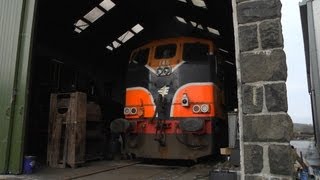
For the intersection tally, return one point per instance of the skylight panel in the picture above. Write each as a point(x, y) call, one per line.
point(94, 14)
point(199, 3)
point(126, 36)
point(181, 19)
point(194, 24)
point(110, 48)
point(200, 26)
point(115, 44)
point(81, 24)
point(107, 4)
point(137, 28)
point(77, 30)
point(214, 31)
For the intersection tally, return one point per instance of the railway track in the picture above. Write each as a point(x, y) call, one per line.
point(146, 170)
point(100, 170)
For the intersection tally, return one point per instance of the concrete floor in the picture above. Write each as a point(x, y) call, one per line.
point(126, 170)
point(137, 170)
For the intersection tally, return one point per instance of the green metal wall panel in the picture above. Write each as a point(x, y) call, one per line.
point(10, 18)
point(22, 86)
point(16, 20)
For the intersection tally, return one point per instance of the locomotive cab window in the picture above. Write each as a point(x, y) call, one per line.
point(165, 51)
point(195, 52)
point(140, 57)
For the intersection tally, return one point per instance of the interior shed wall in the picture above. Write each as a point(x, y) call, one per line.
point(53, 71)
point(265, 127)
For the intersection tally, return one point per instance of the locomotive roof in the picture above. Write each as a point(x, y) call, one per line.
point(175, 40)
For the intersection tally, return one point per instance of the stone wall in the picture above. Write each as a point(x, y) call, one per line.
point(265, 127)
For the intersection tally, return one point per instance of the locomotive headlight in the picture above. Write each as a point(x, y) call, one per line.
point(130, 111)
point(126, 111)
point(185, 100)
point(204, 108)
point(159, 71)
point(133, 111)
point(196, 108)
point(167, 71)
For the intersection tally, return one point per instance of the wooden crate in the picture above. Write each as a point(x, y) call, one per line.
point(67, 130)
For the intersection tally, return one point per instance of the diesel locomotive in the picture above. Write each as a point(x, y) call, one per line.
point(174, 100)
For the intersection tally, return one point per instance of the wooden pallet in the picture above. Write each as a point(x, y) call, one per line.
point(67, 130)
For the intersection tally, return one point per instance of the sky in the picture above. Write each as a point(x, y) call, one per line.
point(299, 107)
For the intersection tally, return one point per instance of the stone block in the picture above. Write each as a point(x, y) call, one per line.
point(253, 159)
point(267, 128)
point(252, 99)
point(281, 159)
point(248, 37)
point(263, 66)
point(276, 97)
point(253, 11)
point(271, 34)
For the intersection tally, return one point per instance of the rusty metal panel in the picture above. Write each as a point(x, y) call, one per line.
point(10, 19)
point(15, 39)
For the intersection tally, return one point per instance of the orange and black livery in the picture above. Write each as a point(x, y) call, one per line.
point(175, 100)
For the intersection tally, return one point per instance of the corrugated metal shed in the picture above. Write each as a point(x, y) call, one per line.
point(16, 24)
point(56, 38)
